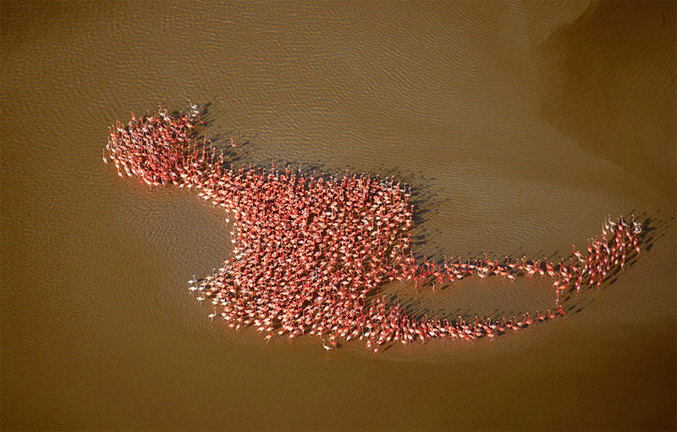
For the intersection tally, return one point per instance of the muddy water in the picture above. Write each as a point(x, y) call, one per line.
point(520, 126)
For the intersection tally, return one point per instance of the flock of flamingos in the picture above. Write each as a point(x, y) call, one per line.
point(311, 251)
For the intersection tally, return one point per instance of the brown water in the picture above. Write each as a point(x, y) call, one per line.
point(520, 126)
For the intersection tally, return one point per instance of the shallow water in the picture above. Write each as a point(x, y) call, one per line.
point(519, 133)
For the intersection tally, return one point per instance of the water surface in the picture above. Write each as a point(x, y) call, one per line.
point(518, 131)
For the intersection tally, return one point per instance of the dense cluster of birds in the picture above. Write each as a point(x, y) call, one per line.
point(310, 251)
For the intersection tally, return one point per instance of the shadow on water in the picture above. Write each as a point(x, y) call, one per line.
point(425, 201)
point(237, 151)
point(654, 228)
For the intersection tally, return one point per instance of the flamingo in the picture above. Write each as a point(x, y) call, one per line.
point(310, 248)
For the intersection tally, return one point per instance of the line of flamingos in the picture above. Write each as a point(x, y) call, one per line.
point(311, 251)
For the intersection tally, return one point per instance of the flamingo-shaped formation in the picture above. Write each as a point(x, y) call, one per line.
point(310, 251)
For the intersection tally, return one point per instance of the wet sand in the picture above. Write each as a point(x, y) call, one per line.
point(519, 133)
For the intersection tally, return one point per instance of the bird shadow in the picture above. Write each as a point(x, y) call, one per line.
point(654, 227)
point(426, 201)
